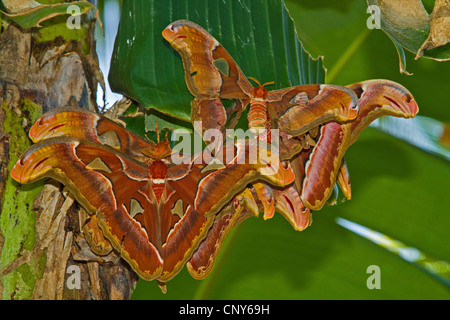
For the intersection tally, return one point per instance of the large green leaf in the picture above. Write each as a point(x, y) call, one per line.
point(425, 133)
point(411, 27)
point(435, 267)
point(258, 34)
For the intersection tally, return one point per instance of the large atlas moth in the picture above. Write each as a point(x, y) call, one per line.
point(152, 211)
point(376, 98)
point(316, 122)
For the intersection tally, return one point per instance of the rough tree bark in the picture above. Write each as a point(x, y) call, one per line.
point(43, 253)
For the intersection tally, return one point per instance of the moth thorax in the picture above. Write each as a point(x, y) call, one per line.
point(260, 92)
point(158, 171)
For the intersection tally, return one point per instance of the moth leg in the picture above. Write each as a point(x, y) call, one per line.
point(343, 180)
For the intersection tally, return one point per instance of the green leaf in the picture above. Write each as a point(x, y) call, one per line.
point(438, 268)
point(409, 26)
point(259, 35)
point(34, 16)
point(425, 133)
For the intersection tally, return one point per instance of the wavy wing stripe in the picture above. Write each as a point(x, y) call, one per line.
point(202, 261)
point(332, 103)
point(323, 164)
point(87, 125)
point(66, 159)
point(183, 241)
point(238, 174)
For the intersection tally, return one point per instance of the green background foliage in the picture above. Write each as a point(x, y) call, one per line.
point(17, 221)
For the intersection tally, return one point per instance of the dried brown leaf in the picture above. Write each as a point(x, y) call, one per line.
point(404, 13)
point(439, 27)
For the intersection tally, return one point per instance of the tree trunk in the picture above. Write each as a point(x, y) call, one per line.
point(43, 253)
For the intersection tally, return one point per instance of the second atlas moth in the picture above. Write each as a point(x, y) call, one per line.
point(316, 123)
